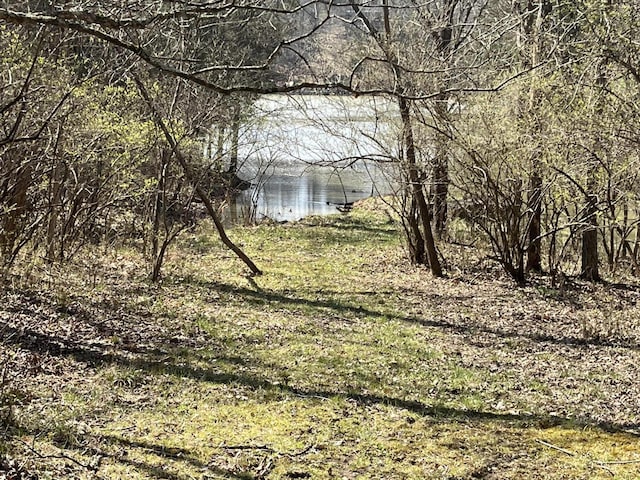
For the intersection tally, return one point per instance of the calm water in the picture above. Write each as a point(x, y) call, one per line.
point(306, 153)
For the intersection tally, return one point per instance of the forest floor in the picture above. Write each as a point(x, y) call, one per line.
point(341, 362)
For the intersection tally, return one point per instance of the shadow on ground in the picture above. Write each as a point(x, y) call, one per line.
point(142, 347)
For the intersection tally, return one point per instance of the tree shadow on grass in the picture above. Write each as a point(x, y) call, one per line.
point(97, 357)
point(164, 357)
point(170, 355)
point(175, 454)
point(128, 322)
point(368, 399)
point(262, 297)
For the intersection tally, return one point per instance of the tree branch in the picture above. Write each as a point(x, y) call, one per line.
point(192, 179)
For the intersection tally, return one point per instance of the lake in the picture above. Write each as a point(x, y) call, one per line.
point(307, 154)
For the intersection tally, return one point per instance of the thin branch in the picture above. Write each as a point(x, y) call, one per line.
point(266, 448)
point(195, 76)
point(59, 456)
point(602, 465)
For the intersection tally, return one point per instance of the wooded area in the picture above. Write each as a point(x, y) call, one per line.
point(515, 155)
point(517, 116)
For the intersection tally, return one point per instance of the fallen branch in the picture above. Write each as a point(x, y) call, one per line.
point(247, 447)
point(617, 462)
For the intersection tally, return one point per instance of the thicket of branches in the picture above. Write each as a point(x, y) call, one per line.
point(518, 118)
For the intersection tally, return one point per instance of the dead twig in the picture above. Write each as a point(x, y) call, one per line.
point(555, 447)
point(602, 465)
point(267, 464)
point(268, 449)
point(247, 447)
point(617, 462)
point(605, 468)
point(59, 456)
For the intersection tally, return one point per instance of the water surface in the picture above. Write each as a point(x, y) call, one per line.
point(307, 154)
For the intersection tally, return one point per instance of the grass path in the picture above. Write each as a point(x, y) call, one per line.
point(342, 361)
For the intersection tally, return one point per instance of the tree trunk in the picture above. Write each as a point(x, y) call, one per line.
point(55, 197)
point(12, 221)
point(219, 148)
point(534, 257)
point(416, 189)
point(441, 191)
point(235, 134)
point(590, 262)
point(415, 182)
point(159, 214)
point(440, 179)
point(535, 14)
point(415, 239)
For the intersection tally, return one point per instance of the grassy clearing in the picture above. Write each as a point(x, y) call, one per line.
point(340, 362)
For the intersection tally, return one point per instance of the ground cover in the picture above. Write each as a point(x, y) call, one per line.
point(342, 361)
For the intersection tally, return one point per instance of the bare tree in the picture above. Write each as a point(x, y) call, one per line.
point(434, 59)
point(533, 41)
point(194, 36)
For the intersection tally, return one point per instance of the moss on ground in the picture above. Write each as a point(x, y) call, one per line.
point(342, 361)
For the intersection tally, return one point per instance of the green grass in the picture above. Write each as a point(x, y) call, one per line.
point(341, 361)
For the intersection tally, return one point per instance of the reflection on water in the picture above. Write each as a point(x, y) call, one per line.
point(306, 153)
point(315, 192)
